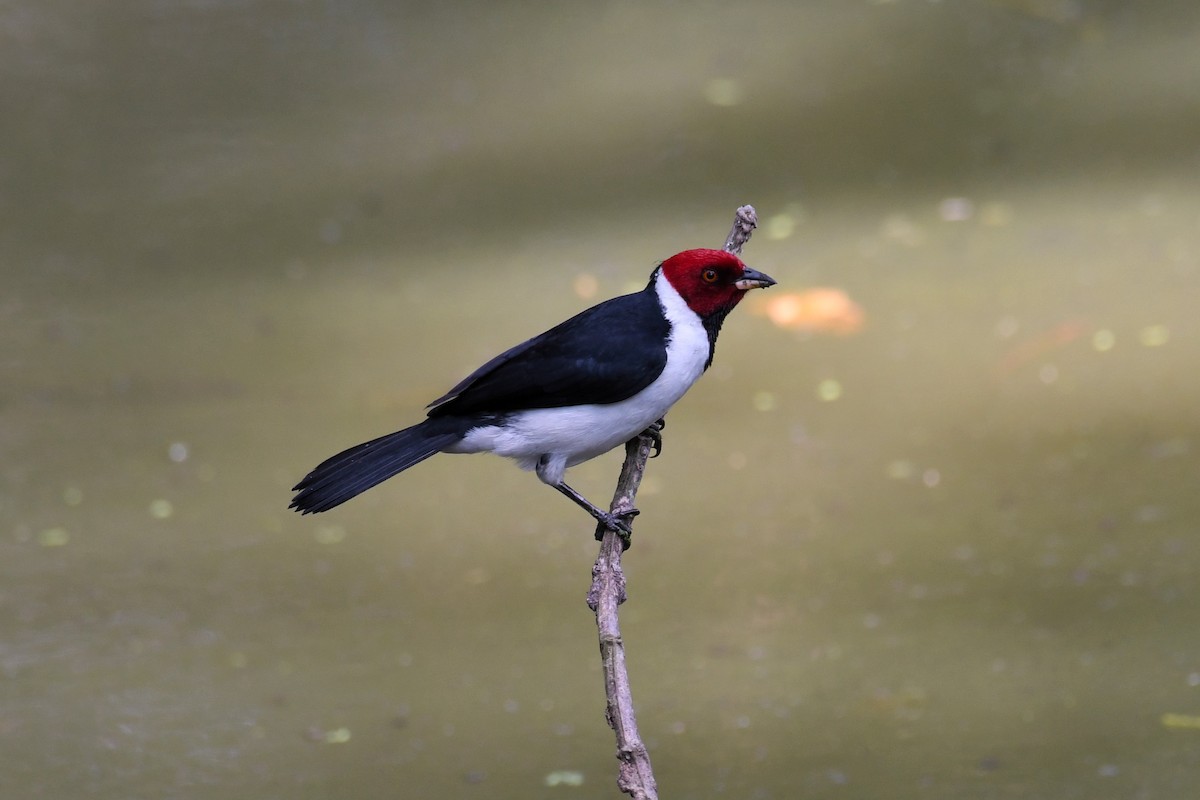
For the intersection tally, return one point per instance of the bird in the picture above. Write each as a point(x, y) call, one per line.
point(587, 385)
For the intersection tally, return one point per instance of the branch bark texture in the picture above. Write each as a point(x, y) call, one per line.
point(635, 777)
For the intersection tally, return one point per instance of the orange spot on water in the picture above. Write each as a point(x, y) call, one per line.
point(821, 310)
point(1037, 346)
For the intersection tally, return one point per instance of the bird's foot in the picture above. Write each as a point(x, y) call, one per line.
point(618, 524)
point(654, 433)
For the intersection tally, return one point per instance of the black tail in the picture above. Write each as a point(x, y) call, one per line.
point(351, 472)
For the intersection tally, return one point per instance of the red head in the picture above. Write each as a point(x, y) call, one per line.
point(712, 281)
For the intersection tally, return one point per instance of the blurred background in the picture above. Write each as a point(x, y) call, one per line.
point(927, 529)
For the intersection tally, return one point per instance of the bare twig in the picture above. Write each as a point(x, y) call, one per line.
point(636, 778)
point(744, 223)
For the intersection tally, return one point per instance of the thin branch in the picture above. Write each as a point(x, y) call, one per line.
point(635, 778)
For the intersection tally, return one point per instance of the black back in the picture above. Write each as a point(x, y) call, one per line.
point(605, 354)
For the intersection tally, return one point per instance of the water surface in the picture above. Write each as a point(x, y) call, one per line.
point(950, 554)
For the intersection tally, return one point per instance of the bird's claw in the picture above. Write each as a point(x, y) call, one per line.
point(654, 433)
point(618, 524)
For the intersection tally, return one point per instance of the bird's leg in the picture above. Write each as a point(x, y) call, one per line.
point(654, 431)
point(614, 522)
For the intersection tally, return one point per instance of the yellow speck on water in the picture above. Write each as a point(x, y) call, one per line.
point(330, 534)
point(829, 390)
point(72, 495)
point(1154, 335)
point(724, 92)
point(764, 401)
point(337, 736)
point(53, 537)
point(780, 226)
point(996, 215)
point(1103, 340)
point(161, 509)
point(564, 777)
point(1189, 721)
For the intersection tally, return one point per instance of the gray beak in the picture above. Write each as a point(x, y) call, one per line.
point(753, 279)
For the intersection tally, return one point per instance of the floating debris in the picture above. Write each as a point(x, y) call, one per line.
point(956, 209)
point(330, 534)
point(996, 215)
point(783, 225)
point(337, 736)
point(764, 401)
point(54, 537)
point(1103, 340)
point(829, 390)
point(161, 509)
point(585, 285)
point(818, 310)
point(1036, 347)
point(1154, 335)
point(1188, 721)
point(724, 92)
point(564, 777)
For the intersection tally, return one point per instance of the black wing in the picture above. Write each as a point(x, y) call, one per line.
point(605, 354)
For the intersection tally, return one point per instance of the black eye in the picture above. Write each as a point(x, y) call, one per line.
point(709, 275)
